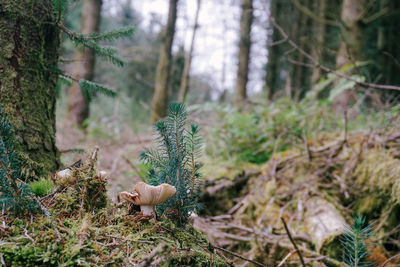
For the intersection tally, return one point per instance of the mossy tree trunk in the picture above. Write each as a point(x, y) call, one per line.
point(29, 42)
point(163, 75)
point(78, 104)
point(246, 20)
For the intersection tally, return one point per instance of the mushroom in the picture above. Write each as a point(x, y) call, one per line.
point(147, 196)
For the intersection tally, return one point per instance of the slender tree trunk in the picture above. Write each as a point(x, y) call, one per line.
point(160, 98)
point(302, 74)
point(350, 49)
point(272, 75)
point(246, 20)
point(222, 96)
point(319, 33)
point(29, 41)
point(78, 105)
point(292, 69)
point(185, 76)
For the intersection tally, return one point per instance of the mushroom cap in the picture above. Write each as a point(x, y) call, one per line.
point(148, 194)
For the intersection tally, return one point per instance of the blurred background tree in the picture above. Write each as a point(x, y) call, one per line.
point(78, 100)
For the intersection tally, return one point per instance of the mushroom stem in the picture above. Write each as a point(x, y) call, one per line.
point(147, 210)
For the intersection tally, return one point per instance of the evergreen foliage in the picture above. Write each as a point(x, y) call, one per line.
point(91, 88)
point(355, 247)
point(174, 161)
point(14, 195)
point(91, 41)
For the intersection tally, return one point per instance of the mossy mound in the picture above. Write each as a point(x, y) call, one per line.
point(84, 229)
point(317, 189)
point(105, 238)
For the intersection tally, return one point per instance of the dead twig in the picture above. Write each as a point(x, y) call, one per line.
point(389, 260)
point(28, 236)
point(285, 258)
point(309, 157)
point(239, 256)
point(292, 241)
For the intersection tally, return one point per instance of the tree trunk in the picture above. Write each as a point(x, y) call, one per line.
point(302, 74)
point(185, 76)
point(29, 41)
point(160, 98)
point(246, 20)
point(274, 54)
point(319, 33)
point(78, 105)
point(351, 47)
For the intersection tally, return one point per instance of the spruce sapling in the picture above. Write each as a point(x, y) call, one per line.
point(174, 161)
point(355, 247)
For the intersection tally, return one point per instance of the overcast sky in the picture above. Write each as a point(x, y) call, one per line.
point(217, 37)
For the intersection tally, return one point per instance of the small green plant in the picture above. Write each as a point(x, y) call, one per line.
point(14, 195)
point(174, 161)
point(355, 246)
point(42, 187)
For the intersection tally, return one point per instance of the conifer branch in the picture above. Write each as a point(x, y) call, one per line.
point(108, 53)
point(354, 243)
point(92, 88)
point(14, 195)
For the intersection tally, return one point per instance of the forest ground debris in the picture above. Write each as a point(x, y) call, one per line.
point(359, 176)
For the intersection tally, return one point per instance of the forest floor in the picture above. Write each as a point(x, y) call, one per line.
point(317, 184)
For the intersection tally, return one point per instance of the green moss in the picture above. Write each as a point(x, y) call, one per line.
point(42, 187)
point(117, 240)
point(370, 205)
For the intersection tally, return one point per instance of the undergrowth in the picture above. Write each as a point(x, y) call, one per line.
point(85, 229)
point(262, 129)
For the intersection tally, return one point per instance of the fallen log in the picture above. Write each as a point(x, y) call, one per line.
point(324, 224)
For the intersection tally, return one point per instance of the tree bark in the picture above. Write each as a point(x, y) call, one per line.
point(29, 41)
point(351, 47)
point(246, 20)
point(78, 105)
point(185, 76)
point(163, 75)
